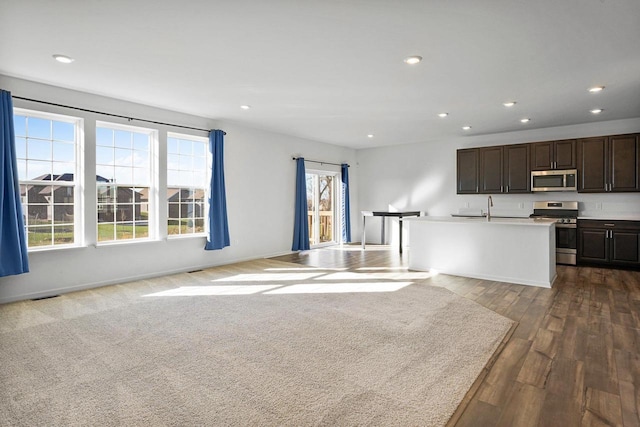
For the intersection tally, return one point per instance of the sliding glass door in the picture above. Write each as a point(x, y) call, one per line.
point(321, 205)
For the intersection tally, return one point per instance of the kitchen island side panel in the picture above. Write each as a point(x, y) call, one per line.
point(521, 252)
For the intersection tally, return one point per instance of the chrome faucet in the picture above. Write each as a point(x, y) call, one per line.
point(489, 204)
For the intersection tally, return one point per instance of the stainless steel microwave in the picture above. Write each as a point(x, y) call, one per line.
point(554, 180)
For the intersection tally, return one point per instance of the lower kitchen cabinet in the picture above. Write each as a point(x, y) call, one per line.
point(614, 243)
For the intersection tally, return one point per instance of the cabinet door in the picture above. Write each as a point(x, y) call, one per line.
point(592, 165)
point(491, 170)
point(468, 163)
point(517, 173)
point(624, 247)
point(593, 245)
point(623, 163)
point(565, 154)
point(541, 156)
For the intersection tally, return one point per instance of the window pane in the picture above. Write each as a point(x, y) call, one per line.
point(141, 230)
point(172, 145)
point(63, 235)
point(22, 169)
point(140, 141)
point(21, 148)
point(123, 175)
point(106, 232)
point(20, 125)
point(104, 173)
point(104, 155)
point(39, 236)
point(39, 128)
point(104, 137)
point(63, 171)
point(124, 195)
point(63, 131)
point(38, 149)
point(185, 147)
point(186, 163)
point(122, 139)
point(173, 161)
point(63, 152)
point(38, 170)
point(141, 176)
point(124, 232)
point(123, 157)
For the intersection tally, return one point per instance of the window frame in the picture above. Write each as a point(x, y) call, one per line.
point(152, 219)
point(207, 184)
point(77, 184)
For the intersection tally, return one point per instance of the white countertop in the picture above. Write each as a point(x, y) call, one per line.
point(483, 220)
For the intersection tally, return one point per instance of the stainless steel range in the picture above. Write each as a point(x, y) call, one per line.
point(566, 216)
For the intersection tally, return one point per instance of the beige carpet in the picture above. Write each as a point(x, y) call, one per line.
point(259, 343)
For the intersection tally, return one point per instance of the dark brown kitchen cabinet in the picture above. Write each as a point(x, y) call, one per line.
point(517, 173)
point(553, 155)
point(491, 170)
point(609, 164)
point(613, 243)
point(468, 171)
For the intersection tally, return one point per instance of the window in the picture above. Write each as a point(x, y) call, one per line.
point(47, 147)
point(124, 182)
point(321, 207)
point(186, 184)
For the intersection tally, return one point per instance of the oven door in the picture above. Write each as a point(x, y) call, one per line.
point(566, 243)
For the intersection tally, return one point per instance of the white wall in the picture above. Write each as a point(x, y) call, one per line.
point(423, 177)
point(259, 174)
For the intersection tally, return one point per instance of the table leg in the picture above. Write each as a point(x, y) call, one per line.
point(400, 230)
point(364, 219)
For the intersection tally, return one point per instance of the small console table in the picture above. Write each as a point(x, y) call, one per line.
point(384, 215)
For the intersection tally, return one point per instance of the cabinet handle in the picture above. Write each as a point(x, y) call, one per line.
point(507, 189)
point(609, 225)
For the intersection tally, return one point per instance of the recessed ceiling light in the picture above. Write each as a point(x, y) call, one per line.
point(443, 114)
point(413, 60)
point(63, 59)
point(596, 89)
point(525, 120)
point(370, 135)
point(466, 127)
point(596, 111)
point(509, 104)
point(245, 107)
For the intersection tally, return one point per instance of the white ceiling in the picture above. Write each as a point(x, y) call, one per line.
point(333, 71)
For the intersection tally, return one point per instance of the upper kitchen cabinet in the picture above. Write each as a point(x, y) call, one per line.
point(609, 164)
point(553, 155)
point(491, 170)
point(516, 173)
point(468, 171)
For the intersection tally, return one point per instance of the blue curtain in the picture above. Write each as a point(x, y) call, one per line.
point(218, 225)
point(301, 224)
point(346, 209)
point(13, 243)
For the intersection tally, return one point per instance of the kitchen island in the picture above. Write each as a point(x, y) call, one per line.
point(514, 250)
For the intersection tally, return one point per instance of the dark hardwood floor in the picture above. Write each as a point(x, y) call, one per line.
point(572, 360)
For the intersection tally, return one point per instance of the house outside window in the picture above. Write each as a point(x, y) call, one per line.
point(49, 171)
point(124, 182)
point(187, 184)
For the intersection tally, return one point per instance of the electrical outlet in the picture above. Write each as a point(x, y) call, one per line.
point(466, 204)
point(599, 206)
point(520, 205)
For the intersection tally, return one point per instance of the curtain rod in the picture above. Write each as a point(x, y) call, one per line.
point(110, 114)
point(322, 163)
